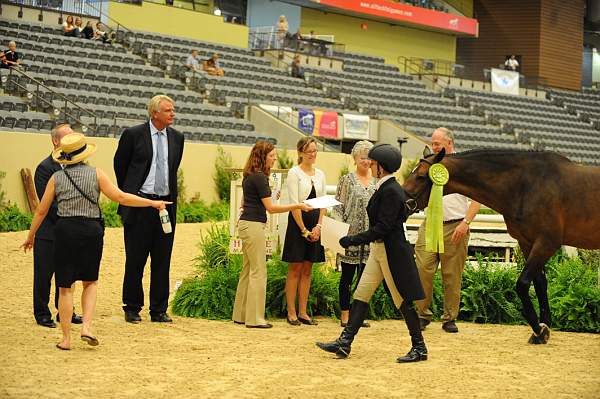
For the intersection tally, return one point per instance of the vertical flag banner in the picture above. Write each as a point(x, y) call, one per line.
point(327, 125)
point(306, 120)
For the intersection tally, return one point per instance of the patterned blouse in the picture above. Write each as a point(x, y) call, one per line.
point(354, 198)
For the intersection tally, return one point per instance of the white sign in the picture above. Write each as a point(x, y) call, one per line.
point(356, 126)
point(506, 82)
point(281, 113)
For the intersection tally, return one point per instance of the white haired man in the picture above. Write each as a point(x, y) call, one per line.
point(145, 164)
point(458, 215)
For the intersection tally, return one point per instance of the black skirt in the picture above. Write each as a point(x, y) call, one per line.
point(298, 249)
point(78, 246)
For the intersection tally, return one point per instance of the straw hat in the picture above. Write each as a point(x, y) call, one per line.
point(73, 149)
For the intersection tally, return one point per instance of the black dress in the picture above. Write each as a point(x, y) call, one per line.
point(298, 249)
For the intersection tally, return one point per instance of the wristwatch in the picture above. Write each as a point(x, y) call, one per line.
point(467, 221)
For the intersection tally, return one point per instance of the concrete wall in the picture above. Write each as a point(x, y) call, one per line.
point(25, 150)
point(380, 39)
point(178, 22)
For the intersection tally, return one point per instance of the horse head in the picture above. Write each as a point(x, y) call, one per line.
point(418, 184)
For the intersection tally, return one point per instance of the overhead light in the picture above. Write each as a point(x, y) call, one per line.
point(217, 12)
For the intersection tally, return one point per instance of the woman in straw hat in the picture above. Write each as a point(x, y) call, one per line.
point(79, 230)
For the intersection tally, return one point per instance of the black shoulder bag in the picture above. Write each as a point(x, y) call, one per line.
point(100, 219)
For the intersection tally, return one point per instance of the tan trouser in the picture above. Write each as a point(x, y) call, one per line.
point(376, 270)
point(251, 293)
point(452, 263)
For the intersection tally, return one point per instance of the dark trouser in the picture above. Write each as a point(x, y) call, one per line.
point(142, 238)
point(43, 270)
point(345, 288)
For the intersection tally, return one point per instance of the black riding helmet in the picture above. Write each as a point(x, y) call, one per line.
point(387, 156)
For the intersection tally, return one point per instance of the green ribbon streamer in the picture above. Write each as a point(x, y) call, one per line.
point(434, 239)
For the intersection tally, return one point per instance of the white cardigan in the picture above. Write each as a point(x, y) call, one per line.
point(299, 184)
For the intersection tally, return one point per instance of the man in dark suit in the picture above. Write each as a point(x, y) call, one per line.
point(43, 252)
point(146, 164)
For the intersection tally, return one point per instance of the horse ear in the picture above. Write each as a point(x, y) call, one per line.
point(439, 156)
point(426, 151)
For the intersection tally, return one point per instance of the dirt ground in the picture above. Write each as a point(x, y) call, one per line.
point(211, 359)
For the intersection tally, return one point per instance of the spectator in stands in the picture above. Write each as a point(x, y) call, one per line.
point(100, 33)
point(69, 27)
point(511, 64)
point(79, 230)
point(212, 67)
point(458, 215)
point(146, 163)
point(297, 70)
point(88, 31)
point(78, 27)
point(282, 30)
point(43, 246)
point(192, 62)
point(302, 246)
point(250, 296)
point(10, 57)
point(354, 191)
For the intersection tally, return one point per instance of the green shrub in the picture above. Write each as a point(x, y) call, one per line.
point(214, 246)
point(12, 219)
point(222, 178)
point(109, 213)
point(284, 161)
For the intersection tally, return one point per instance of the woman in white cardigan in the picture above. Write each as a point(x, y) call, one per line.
point(302, 246)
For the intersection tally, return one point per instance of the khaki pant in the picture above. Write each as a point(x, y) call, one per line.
point(376, 270)
point(250, 296)
point(452, 263)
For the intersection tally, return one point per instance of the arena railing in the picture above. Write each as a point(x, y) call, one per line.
point(44, 98)
point(71, 7)
point(259, 40)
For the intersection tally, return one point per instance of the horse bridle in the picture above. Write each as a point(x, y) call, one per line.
point(412, 203)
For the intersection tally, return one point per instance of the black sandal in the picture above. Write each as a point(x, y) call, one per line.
point(308, 322)
point(294, 322)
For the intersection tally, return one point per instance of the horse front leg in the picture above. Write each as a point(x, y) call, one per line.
point(534, 266)
point(540, 283)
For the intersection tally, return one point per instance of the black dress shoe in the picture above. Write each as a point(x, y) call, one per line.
point(294, 322)
point(450, 327)
point(132, 317)
point(424, 323)
point(46, 323)
point(308, 322)
point(161, 318)
point(268, 325)
point(75, 319)
point(238, 322)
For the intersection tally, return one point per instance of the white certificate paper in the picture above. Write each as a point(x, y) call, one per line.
point(326, 201)
point(331, 233)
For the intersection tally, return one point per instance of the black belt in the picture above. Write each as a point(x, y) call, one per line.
point(154, 196)
point(452, 221)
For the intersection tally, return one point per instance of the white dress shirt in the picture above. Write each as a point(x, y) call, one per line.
point(148, 186)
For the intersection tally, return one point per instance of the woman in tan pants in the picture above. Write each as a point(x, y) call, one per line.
point(250, 297)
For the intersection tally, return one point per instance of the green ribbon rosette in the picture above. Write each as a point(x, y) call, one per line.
point(434, 239)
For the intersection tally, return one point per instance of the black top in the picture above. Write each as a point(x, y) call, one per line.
point(43, 173)
point(10, 56)
point(256, 187)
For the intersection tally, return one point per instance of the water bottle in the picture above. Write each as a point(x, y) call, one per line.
point(165, 221)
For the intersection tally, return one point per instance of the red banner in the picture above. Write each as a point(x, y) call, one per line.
point(326, 124)
point(409, 14)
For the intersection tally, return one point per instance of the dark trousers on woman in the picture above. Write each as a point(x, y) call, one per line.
point(43, 270)
point(142, 238)
point(345, 287)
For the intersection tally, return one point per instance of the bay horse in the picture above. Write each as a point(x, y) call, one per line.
point(546, 200)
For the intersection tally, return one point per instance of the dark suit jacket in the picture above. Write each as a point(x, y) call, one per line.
point(43, 173)
point(133, 160)
point(387, 214)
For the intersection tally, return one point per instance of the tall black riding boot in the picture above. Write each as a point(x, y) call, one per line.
point(418, 351)
point(341, 346)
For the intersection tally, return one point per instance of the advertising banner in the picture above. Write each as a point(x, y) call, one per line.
point(409, 14)
point(326, 124)
point(356, 126)
point(506, 82)
point(306, 120)
point(282, 113)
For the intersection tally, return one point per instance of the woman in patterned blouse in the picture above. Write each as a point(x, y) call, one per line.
point(353, 191)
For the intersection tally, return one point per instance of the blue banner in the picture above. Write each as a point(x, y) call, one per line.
point(306, 120)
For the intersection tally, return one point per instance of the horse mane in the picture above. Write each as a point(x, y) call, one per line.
point(479, 153)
